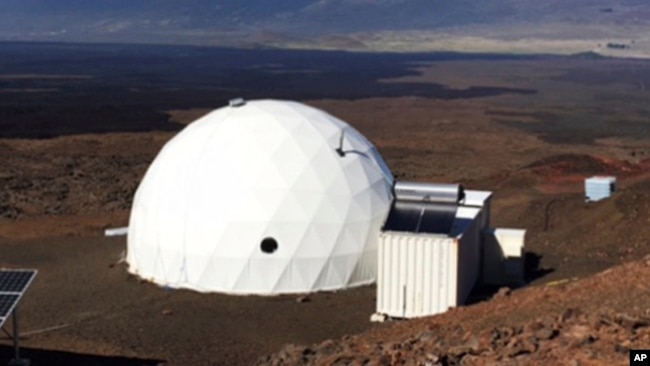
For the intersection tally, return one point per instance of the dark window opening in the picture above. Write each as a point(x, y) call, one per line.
point(269, 245)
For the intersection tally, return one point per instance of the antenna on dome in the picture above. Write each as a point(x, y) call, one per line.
point(339, 149)
point(237, 102)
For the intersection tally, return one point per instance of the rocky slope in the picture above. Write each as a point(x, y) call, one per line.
point(588, 311)
point(558, 324)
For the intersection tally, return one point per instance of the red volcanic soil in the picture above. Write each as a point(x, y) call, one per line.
point(590, 306)
point(586, 304)
point(565, 173)
point(558, 324)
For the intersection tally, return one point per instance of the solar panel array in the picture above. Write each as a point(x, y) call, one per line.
point(421, 217)
point(13, 283)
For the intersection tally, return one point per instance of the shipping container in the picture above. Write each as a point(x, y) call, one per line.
point(421, 274)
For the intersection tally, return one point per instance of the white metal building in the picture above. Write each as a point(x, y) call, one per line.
point(261, 197)
point(599, 188)
point(433, 250)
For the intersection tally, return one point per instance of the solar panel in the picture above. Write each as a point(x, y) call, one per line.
point(421, 217)
point(7, 303)
point(13, 283)
point(15, 280)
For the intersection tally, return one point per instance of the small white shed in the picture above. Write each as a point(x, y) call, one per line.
point(421, 274)
point(436, 245)
point(430, 249)
point(599, 188)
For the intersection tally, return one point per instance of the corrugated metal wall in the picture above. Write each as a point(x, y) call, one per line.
point(417, 274)
point(422, 272)
point(469, 258)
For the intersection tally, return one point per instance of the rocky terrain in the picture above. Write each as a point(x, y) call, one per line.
point(65, 178)
point(587, 303)
point(555, 324)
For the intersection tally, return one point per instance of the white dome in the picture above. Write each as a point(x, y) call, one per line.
point(255, 199)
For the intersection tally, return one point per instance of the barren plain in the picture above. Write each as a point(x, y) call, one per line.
point(80, 125)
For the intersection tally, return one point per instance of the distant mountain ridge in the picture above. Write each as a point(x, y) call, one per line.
point(297, 21)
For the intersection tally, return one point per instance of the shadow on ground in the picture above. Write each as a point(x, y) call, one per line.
point(532, 267)
point(532, 272)
point(49, 357)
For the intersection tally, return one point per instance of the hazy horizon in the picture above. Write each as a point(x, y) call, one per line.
point(516, 26)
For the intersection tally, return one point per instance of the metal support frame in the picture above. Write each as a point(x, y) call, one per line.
point(17, 361)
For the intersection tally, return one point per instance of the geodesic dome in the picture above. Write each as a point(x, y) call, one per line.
point(266, 197)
